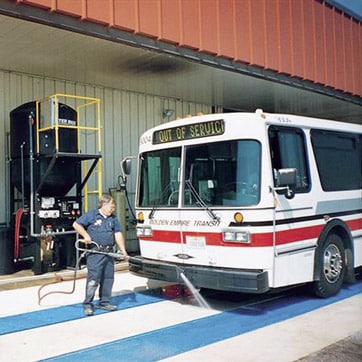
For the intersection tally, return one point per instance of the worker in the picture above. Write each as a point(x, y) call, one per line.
point(102, 227)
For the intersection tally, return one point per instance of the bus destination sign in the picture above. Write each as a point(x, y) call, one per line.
point(189, 131)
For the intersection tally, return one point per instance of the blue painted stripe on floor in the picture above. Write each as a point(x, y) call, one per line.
point(21, 322)
point(171, 341)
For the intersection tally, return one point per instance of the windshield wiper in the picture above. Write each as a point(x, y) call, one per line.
point(163, 193)
point(200, 201)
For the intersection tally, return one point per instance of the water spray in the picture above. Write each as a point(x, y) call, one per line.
point(195, 292)
point(182, 279)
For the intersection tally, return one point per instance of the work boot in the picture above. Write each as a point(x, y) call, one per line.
point(88, 310)
point(107, 306)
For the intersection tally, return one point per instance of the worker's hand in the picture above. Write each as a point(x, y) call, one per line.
point(119, 255)
point(125, 254)
point(87, 240)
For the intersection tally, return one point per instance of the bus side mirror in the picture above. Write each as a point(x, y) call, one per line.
point(286, 177)
point(286, 181)
point(126, 164)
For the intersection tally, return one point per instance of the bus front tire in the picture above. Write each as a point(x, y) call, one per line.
point(331, 258)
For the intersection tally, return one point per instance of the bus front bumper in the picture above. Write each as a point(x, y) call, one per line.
point(236, 280)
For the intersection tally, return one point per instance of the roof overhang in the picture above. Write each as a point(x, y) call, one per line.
point(62, 47)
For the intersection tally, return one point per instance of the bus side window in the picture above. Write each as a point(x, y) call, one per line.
point(287, 149)
point(338, 157)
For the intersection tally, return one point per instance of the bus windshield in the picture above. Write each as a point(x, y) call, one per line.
point(215, 174)
point(159, 183)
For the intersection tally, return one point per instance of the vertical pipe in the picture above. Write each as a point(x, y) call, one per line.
point(37, 118)
point(22, 174)
point(56, 118)
point(8, 189)
point(31, 165)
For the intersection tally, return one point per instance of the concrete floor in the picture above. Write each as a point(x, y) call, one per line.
point(302, 338)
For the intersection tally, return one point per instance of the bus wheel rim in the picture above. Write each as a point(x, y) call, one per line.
point(332, 263)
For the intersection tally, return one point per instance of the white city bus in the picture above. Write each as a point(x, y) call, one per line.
point(249, 202)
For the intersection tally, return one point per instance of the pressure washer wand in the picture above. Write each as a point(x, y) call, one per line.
point(118, 255)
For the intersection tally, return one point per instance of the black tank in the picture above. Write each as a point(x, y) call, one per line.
point(63, 174)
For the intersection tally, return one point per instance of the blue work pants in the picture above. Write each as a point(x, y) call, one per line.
point(100, 273)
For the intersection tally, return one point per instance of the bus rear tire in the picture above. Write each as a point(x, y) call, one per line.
point(332, 267)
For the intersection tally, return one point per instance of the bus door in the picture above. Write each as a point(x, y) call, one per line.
point(291, 183)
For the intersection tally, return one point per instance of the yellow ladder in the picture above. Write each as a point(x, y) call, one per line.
point(97, 191)
point(47, 118)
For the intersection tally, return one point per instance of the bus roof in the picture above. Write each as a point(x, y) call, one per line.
point(270, 118)
point(208, 123)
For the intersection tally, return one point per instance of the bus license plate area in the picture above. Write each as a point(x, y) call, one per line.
point(196, 242)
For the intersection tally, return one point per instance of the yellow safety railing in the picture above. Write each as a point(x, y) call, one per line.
point(50, 121)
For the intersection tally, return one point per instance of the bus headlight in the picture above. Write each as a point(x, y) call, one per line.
point(144, 231)
point(243, 237)
point(236, 236)
point(228, 236)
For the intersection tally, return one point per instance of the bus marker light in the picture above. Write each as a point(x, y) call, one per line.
point(140, 217)
point(238, 217)
point(260, 112)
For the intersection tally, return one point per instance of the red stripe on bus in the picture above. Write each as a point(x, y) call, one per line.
point(287, 236)
point(354, 224)
point(257, 239)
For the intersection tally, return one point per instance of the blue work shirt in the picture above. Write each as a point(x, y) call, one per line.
point(101, 229)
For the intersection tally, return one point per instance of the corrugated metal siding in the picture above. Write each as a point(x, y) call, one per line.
point(124, 115)
point(308, 39)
